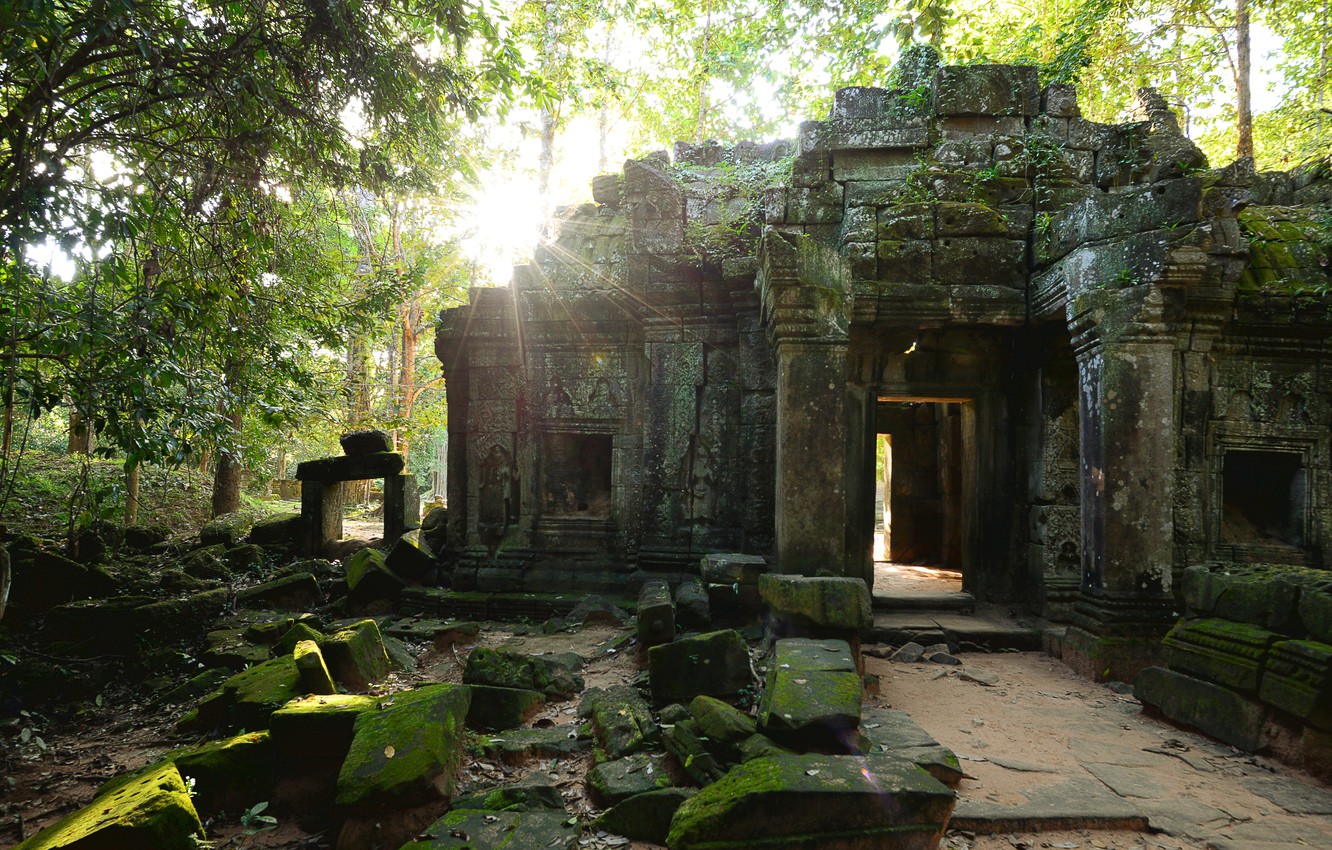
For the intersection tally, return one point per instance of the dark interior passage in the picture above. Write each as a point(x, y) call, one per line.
point(1262, 497)
point(923, 474)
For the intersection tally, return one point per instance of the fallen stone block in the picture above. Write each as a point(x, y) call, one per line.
point(309, 660)
point(656, 614)
point(366, 442)
point(293, 593)
point(355, 656)
point(1210, 708)
point(621, 719)
point(725, 726)
point(299, 631)
point(530, 794)
point(645, 817)
point(519, 746)
point(1221, 651)
point(829, 802)
point(280, 530)
point(228, 530)
point(407, 751)
point(502, 708)
point(823, 601)
point(229, 774)
point(505, 669)
point(476, 829)
point(318, 726)
point(370, 579)
point(692, 609)
point(150, 808)
point(732, 568)
point(247, 699)
point(411, 557)
point(1298, 680)
point(715, 664)
point(813, 695)
point(595, 609)
point(612, 782)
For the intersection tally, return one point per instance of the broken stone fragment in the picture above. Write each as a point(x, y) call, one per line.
point(834, 602)
point(369, 578)
point(645, 817)
point(692, 610)
point(656, 614)
point(232, 773)
point(530, 794)
point(299, 631)
point(367, 442)
point(248, 698)
point(502, 708)
point(318, 727)
point(724, 725)
point(410, 557)
point(277, 530)
point(519, 746)
point(314, 673)
point(595, 609)
point(407, 751)
point(621, 719)
point(813, 695)
point(684, 741)
point(149, 808)
point(355, 655)
point(715, 664)
point(613, 782)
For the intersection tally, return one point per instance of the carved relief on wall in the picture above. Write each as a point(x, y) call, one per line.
point(497, 487)
point(579, 386)
point(698, 478)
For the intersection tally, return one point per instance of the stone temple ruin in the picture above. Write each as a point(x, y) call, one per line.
point(1100, 363)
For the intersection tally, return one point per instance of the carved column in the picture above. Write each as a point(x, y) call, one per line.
point(1129, 420)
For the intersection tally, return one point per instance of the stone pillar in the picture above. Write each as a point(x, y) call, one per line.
point(811, 509)
point(321, 515)
point(1128, 419)
point(402, 506)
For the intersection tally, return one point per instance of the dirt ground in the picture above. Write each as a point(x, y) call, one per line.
point(1037, 723)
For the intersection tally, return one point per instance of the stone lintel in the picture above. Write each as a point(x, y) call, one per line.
point(331, 469)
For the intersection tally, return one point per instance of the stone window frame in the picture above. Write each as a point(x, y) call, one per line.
point(579, 427)
point(1231, 436)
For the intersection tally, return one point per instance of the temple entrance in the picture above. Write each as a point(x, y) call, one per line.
point(924, 471)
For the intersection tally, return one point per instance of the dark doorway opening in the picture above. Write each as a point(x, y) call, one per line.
point(1262, 497)
point(576, 475)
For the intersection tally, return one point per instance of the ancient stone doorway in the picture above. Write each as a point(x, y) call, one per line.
point(1262, 498)
point(925, 475)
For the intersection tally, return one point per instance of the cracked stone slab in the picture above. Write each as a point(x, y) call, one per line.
point(1075, 804)
point(1184, 817)
point(1021, 766)
point(1089, 753)
point(1291, 794)
point(1126, 781)
point(1248, 836)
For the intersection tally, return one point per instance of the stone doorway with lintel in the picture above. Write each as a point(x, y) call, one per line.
point(366, 458)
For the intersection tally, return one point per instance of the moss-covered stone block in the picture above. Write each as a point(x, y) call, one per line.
point(149, 809)
point(834, 602)
point(406, 752)
point(231, 773)
point(613, 782)
point(369, 578)
point(686, 743)
point(504, 668)
point(812, 708)
point(1298, 680)
point(355, 655)
point(725, 726)
point(291, 593)
point(468, 829)
point(829, 802)
point(527, 795)
point(519, 746)
point(411, 557)
point(1211, 708)
point(277, 530)
point(315, 678)
point(318, 726)
point(299, 631)
point(656, 614)
point(645, 817)
point(714, 664)
point(502, 708)
point(246, 700)
point(1221, 651)
point(621, 719)
point(228, 530)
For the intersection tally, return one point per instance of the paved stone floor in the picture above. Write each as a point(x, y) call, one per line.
point(1045, 750)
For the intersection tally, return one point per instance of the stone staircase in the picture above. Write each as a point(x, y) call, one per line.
point(929, 617)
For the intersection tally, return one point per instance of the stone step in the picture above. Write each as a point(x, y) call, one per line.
point(982, 630)
point(923, 600)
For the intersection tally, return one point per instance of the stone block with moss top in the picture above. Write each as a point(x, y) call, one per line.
point(464, 829)
point(369, 578)
point(407, 751)
point(1261, 595)
point(292, 593)
point(1230, 654)
point(230, 648)
point(278, 530)
point(231, 773)
point(315, 678)
point(208, 562)
point(645, 817)
point(246, 558)
point(246, 700)
point(519, 746)
point(355, 655)
point(829, 802)
point(834, 602)
point(228, 529)
point(1298, 680)
point(714, 664)
point(504, 668)
point(318, 726)
point(725, 726)
point(299, 631)
point(1213, 709)
point(812, 700)
point(502, 708)
point(150, 808)
point(621, 719)
point(613, 782)
point(411, 557)
point(526, 795)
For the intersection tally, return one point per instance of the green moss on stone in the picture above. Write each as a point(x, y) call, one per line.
point(233, 771)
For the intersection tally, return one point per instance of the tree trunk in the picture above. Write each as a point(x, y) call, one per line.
point(80, 435)
point(703, 74)
point(5, 576)
point(1243, 106)
point(227, 476)
point(132, 466)
point(548, 117)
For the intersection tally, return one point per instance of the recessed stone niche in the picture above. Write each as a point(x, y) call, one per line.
point(575, 474)
point(1262, 497)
